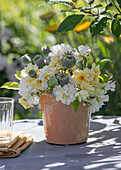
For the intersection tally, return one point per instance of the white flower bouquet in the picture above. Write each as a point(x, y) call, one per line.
point(63, 72)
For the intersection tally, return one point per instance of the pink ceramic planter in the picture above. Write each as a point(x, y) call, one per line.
point(62, 124)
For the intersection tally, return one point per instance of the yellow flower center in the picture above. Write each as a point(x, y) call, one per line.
point(82, 78)
point(39, 81)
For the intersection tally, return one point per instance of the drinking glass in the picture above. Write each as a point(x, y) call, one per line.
point(6, 119)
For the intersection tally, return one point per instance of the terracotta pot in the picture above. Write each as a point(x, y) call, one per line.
point(62, 124)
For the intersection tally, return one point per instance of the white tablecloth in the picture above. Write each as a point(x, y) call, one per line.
point(101, 152)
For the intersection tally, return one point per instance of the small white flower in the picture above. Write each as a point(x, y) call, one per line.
point(27, 91)
point(88, 87)
point(23, 73)
point(33, 99)
point(59, 50)
point(82, 95)
point(80, 76)
point(29, 67)
point(23, 102)
point(65, 94)
point(56, 63)
point(95, 70)
point(25, 88)
point(110, 85)
point(82, 51)
point(45, 74)
point(96, 104)
point(77, 55)
point(98, 90)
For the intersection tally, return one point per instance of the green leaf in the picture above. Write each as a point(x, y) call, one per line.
point(70, 23)
point(11, 85)
point(108, 14)
point(104, 78)
point(75, 104)
point(70, 10)
point(18, 75)
point(119, 2)
point(59, 3)
point(116, 26)
point(102, 62)
point(90, 1)
point(98, 26)
point(52, 82)
point(110, 6)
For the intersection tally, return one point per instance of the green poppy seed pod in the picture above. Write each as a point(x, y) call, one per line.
point(62, 78)
point(40, 61)
point(68, 60)
point(32, 74)
point(37, 58)
point(45, 51)
point(26, 59)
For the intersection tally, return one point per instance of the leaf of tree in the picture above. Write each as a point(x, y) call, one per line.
point(110, 6)
point(18, 75)
point(119, 2)
point(11, 85)
point(70, 23)
point(104, 78)
point(102, 62)
point(70, 10)
point(59, 3)
point(116, 26)
point(90, 1)
point(98, 26)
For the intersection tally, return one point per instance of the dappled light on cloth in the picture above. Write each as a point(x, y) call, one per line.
point(102, 150)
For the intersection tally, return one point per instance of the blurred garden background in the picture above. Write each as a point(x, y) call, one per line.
point(27, 26)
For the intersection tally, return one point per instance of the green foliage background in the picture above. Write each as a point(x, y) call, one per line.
point(26, 26)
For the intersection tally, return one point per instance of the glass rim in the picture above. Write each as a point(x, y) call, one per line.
point(6, 99)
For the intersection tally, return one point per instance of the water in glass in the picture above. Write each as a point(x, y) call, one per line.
point(6, 119)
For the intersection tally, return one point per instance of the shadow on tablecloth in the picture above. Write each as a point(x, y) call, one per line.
point(101, 152)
